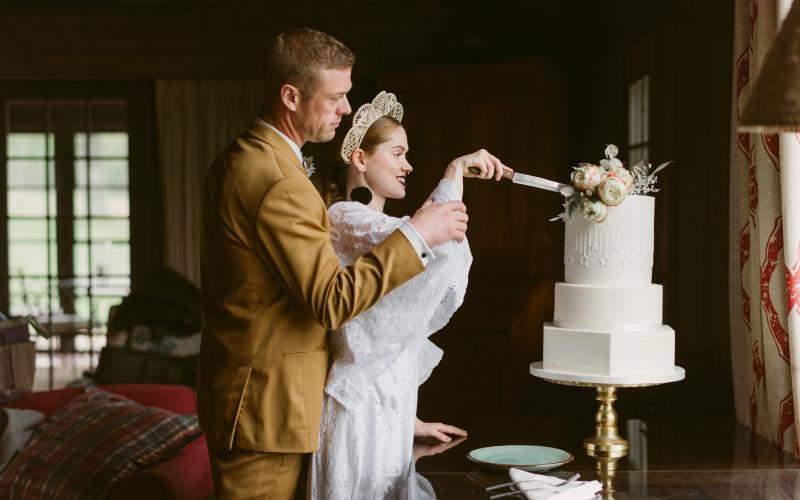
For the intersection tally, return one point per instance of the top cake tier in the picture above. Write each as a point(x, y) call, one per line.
point(617, 251)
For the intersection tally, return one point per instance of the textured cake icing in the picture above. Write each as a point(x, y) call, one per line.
point(608, 314)
point(615, 252)
point(593, 307)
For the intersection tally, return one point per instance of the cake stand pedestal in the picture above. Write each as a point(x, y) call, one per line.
point(606, 441)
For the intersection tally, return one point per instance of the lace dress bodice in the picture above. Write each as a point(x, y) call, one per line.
point(379, 360)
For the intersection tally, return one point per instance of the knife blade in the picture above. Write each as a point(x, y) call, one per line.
point(529, 180)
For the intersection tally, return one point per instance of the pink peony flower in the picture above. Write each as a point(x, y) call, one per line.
point(624, 175)
point(587, 177)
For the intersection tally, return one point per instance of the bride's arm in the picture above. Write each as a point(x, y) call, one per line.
point(488, 166)
point(455, 174)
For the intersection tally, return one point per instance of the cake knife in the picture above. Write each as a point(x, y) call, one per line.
point(530, 180)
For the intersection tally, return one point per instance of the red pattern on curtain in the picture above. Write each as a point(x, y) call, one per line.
point(762, 219)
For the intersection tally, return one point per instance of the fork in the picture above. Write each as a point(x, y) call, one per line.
point(519, 492)
point(512, 483)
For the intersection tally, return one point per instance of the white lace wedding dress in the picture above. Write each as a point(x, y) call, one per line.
point(380, 359)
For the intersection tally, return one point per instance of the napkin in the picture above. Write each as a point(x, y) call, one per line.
point(576, 490)
point(18, 431)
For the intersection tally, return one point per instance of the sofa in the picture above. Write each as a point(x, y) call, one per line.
point(185, 476)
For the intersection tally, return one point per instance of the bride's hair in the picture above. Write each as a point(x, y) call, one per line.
point(330, 178)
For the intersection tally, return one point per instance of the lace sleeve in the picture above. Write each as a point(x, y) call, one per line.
point(405, 318)
point(356, 229)
point(445, 191)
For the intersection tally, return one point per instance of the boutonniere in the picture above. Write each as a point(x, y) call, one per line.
point(308, 164)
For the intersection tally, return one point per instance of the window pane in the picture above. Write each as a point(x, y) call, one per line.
point(30, 202)
point(645, 109)
point(29, 173)
point(111, 202)
point(103, 172)
point(30, 258)
point(102, 144)
point(101, 285)
point(637, 153)
point(30, 229)
point(29, 145)
point(103, 229)
point(101, 307)
point(638, 111)
point(107, 258)
point(29, 296)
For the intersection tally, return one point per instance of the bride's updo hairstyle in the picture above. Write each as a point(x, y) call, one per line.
point(330, 178)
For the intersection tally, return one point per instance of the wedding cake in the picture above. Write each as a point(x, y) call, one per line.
point(608, 313)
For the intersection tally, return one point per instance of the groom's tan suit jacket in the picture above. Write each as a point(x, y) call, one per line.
point(272, 286)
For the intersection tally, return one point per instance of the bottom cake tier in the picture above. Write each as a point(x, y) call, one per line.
point(650, 351)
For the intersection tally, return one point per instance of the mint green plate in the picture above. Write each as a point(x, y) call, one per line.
point(525, 457)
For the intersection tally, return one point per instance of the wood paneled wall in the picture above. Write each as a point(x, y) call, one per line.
point(559, 101)
point(516, 112)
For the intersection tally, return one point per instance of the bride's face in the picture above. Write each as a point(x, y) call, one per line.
point(387, 166)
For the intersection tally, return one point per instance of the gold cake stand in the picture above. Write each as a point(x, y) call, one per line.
point(606, 441)
point(606, 466)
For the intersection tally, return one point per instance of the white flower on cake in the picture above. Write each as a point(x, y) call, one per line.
point(612, 190)
point(606, 185)
point(594, 210)
point(587, 177)
point(622, 174)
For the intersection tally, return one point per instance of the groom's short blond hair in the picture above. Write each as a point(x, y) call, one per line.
point(296, 57)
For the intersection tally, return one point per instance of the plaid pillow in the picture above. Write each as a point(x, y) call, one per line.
point(95, 440)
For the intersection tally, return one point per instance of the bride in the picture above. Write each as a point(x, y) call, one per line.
point(381, 357)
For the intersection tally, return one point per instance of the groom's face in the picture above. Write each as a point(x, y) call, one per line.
point(322, 112)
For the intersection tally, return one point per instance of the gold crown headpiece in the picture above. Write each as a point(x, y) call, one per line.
point(384, 104)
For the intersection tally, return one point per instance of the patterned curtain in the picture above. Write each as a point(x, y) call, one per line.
point(196, 119)
point(765, 248)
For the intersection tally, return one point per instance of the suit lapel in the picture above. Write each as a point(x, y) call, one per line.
point(266, 134)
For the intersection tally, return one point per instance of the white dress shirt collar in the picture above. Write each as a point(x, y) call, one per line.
point(291, 143)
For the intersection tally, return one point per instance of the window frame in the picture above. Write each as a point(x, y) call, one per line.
point(144, 188)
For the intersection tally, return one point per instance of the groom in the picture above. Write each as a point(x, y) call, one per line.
point(271, 282)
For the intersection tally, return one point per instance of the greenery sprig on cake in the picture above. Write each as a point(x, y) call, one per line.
point(597, 187)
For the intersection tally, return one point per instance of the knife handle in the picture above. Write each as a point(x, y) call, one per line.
point(507, 172)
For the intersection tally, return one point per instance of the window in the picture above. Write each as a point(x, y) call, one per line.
point(639, 120)
point(68, 209)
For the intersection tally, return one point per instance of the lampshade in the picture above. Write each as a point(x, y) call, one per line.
point(774, 103)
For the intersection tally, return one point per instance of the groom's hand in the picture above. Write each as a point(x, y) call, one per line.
point(441, 223)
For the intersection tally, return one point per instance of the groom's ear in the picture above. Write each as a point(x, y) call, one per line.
point(290, 96)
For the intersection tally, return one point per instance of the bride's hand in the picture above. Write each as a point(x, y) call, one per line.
point(437, 431)
point(481, 164)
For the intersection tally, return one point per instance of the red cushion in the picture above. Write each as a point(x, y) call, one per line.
point(185, 477)
point(94, 441)
point(175, 398)
point(47, 402)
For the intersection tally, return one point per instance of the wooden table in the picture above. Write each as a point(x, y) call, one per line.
point(702, 458)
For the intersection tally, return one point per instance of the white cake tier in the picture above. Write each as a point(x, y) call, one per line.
point(617, 251)
point(598, 307)
point(634, 353)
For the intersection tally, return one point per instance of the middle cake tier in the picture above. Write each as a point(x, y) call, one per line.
point(620, 308)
